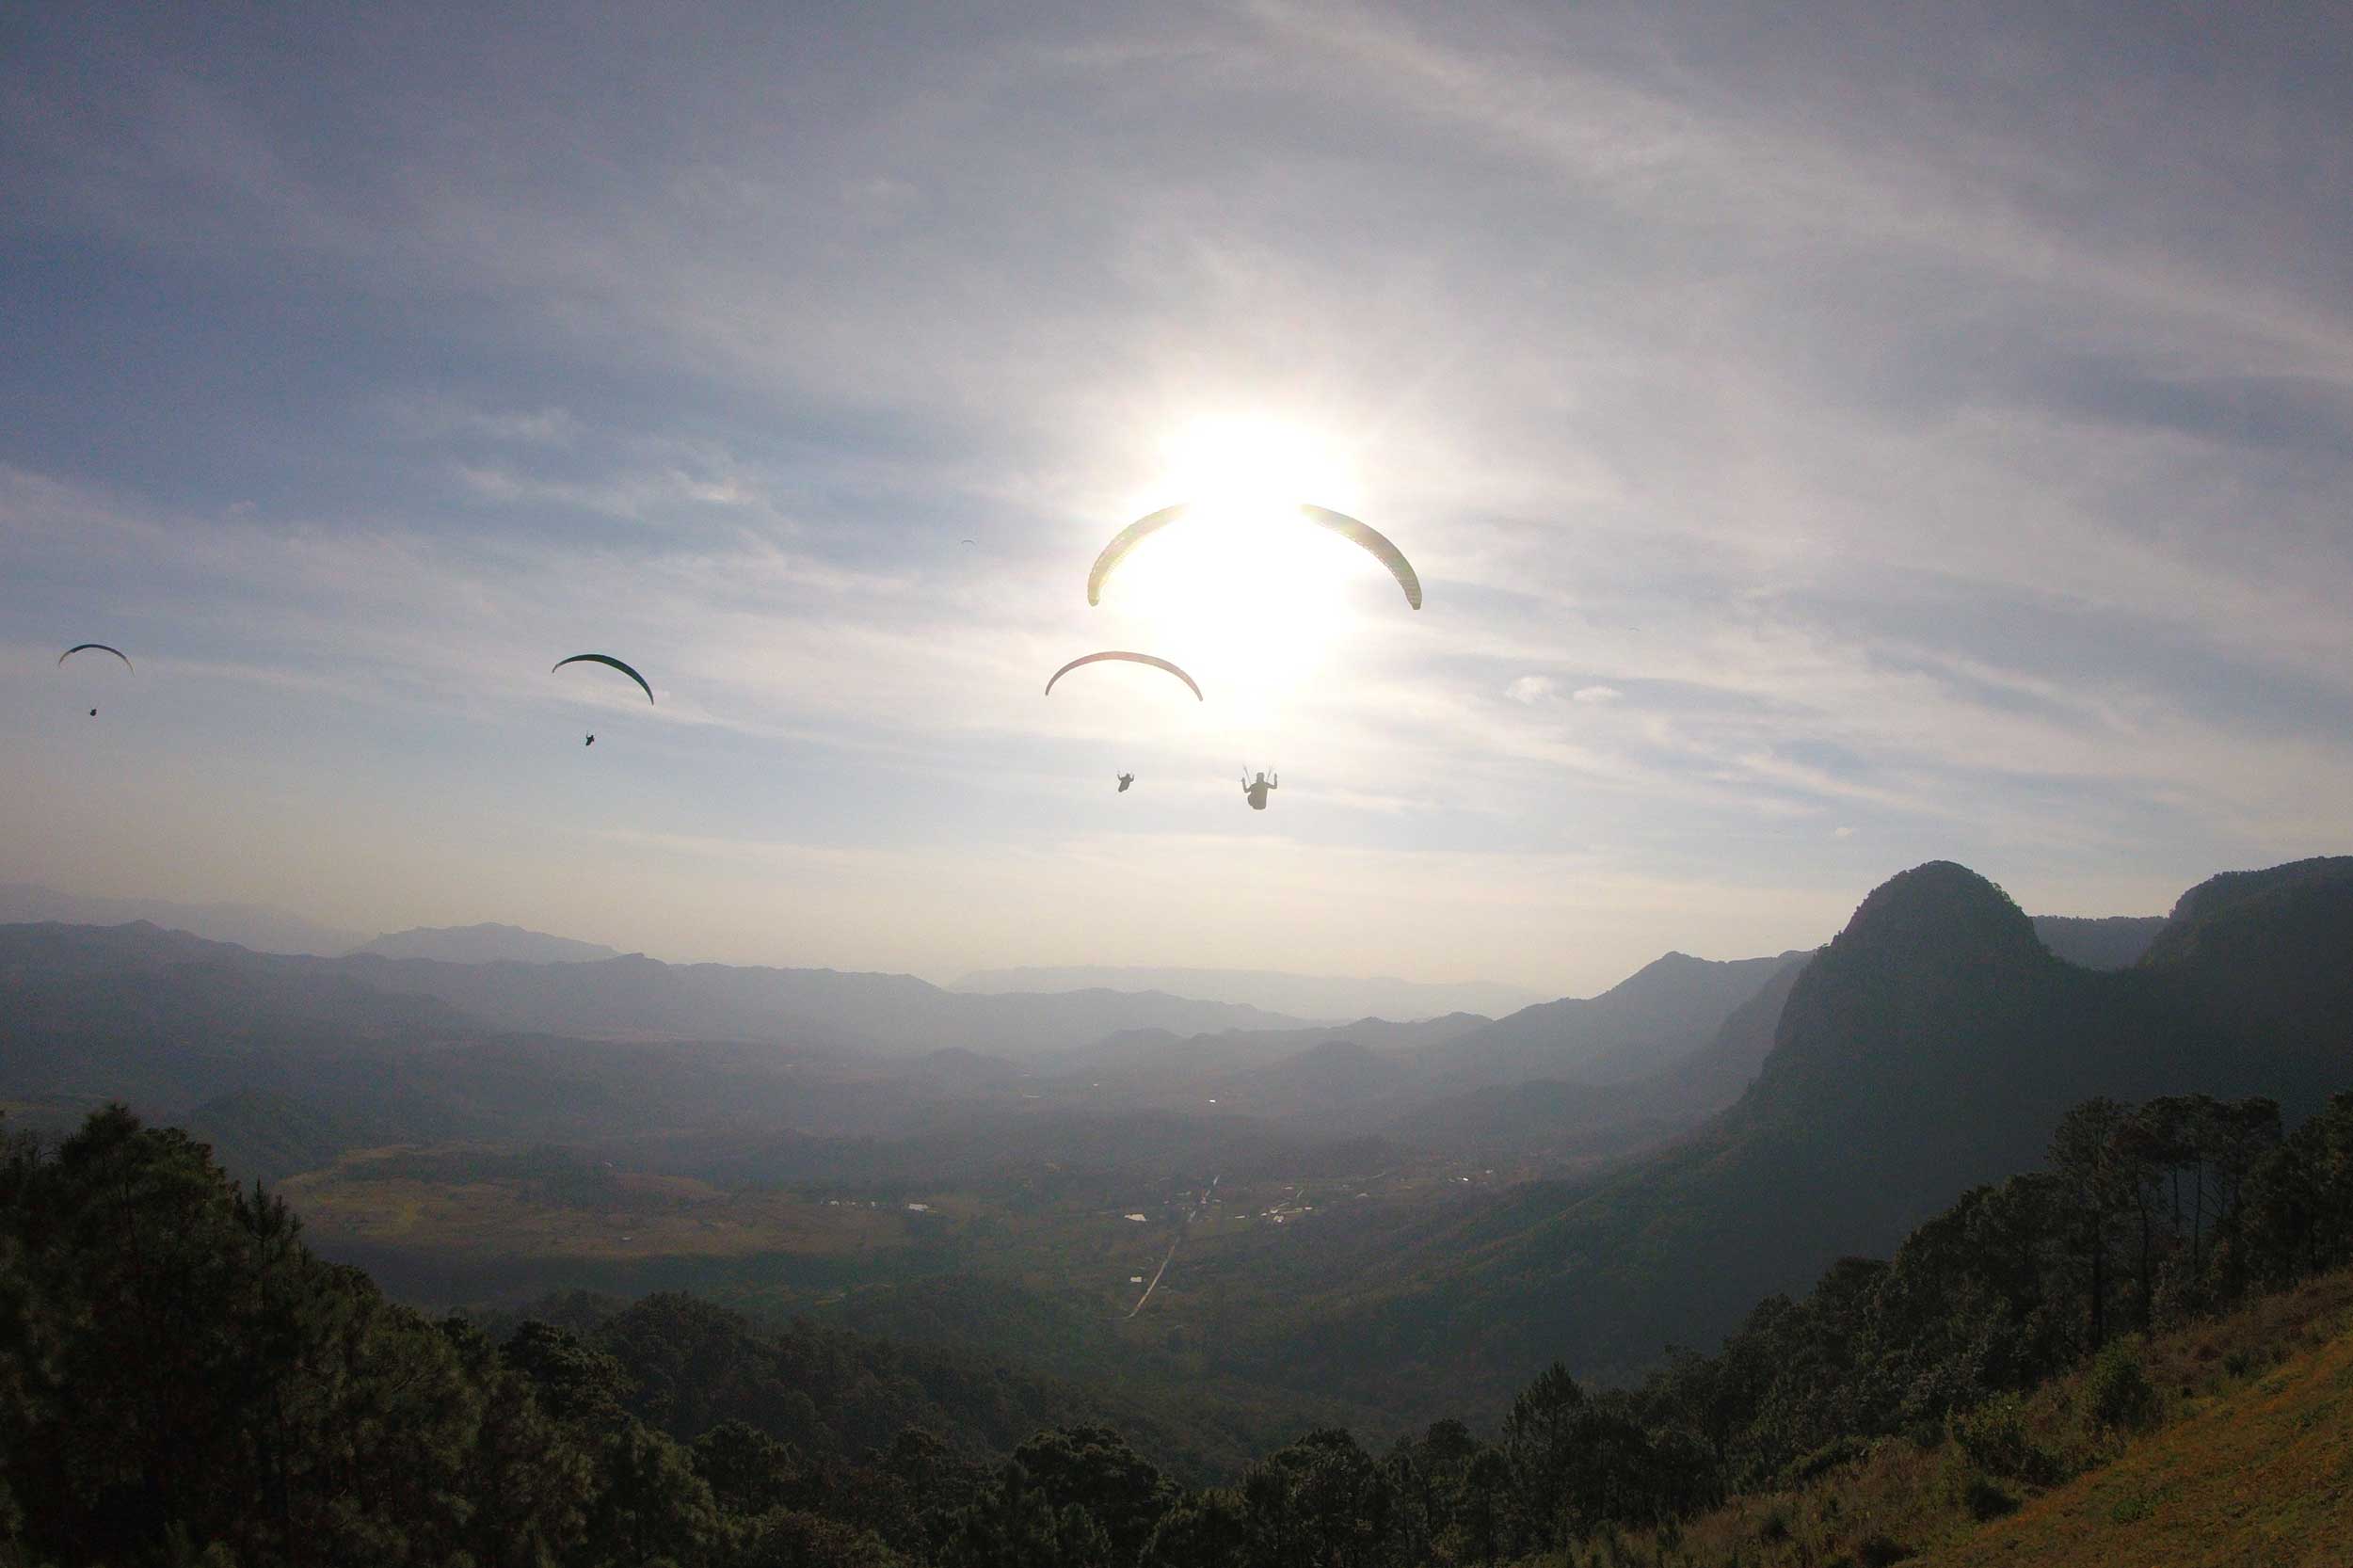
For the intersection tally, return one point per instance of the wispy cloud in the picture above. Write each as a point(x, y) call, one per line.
point(1823, 446)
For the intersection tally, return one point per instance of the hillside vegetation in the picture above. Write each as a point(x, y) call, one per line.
point(2223, 1442)
point(2262, 1473)
point(181, 1379)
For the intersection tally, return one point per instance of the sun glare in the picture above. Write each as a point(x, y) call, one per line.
point(1254, 595)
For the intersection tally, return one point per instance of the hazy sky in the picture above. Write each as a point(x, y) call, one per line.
point(1831, 438)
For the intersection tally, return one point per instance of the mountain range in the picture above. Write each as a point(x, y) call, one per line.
point(1931, 1045)
point(1305, 996)
point(485, 944)
point(263, 929)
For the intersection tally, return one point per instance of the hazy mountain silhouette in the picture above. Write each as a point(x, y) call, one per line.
point(1932, 1046)
point(1669, 1009)
point(1566, 1080)
point(1551, 1119)
point(891, 1013)
point(2222, 914)
point(162, 1017)
point(485, 944)
point(2116, 942)
point(1319, 996)
point(262, 929)
point(1142, 1058)
point(152, 1013)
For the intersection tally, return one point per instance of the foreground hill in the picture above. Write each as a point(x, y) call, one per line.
point(2239, 1451)
point(2262, 1474)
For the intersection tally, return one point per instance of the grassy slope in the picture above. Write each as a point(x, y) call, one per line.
point(2250, 1461)
point(2263, 1475)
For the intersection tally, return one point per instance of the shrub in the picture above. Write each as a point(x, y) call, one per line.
point(1821, 1461)
point(2118, 1391)
point(1881, 1551)
point(1994, 1436)
point(1984, 1500)
point(1774, 1528)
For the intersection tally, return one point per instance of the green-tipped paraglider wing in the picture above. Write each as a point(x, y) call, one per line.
point(1130, 658)
point(1360, 534)
point(1124, 541)
point(100, 647)
point(1369, 539)
point(608, 660)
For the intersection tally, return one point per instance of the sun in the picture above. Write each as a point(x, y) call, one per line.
point(1254, 595)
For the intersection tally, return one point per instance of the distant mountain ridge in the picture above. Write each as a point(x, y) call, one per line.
point(1316, 998)
point(1668, 1009)
point(247, 925)
point(485, 944)
point(635, 997)
point(1931, 1045)
point(2114, 942)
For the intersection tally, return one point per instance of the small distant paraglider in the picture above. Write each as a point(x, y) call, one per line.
point(607, 660)
point(1255, 790)
point(1124, 779)
point(99, 647)
point(1356, 532)
point(1129, 658)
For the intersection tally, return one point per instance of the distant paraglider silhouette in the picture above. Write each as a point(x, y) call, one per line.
point(606, 659)
point(590, 741)
point(1124, 779)
point(1254, 791)
point(100, 647)
point(1359, 534)
point(1130, 658)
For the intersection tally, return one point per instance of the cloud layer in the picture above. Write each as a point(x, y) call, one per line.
point(1828, 441)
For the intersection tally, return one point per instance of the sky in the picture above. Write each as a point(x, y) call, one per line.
point(1829, 437)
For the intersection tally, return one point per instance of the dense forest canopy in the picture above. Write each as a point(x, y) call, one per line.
point(183, 1379)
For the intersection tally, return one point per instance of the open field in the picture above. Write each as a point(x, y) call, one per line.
point(622, 1216)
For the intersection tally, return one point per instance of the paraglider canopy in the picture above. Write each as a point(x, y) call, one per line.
point(1362, 534)
point(608, 660)
point(100, 647)
point(1130, 658)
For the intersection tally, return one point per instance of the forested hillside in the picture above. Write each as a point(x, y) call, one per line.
point(181, 1379)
